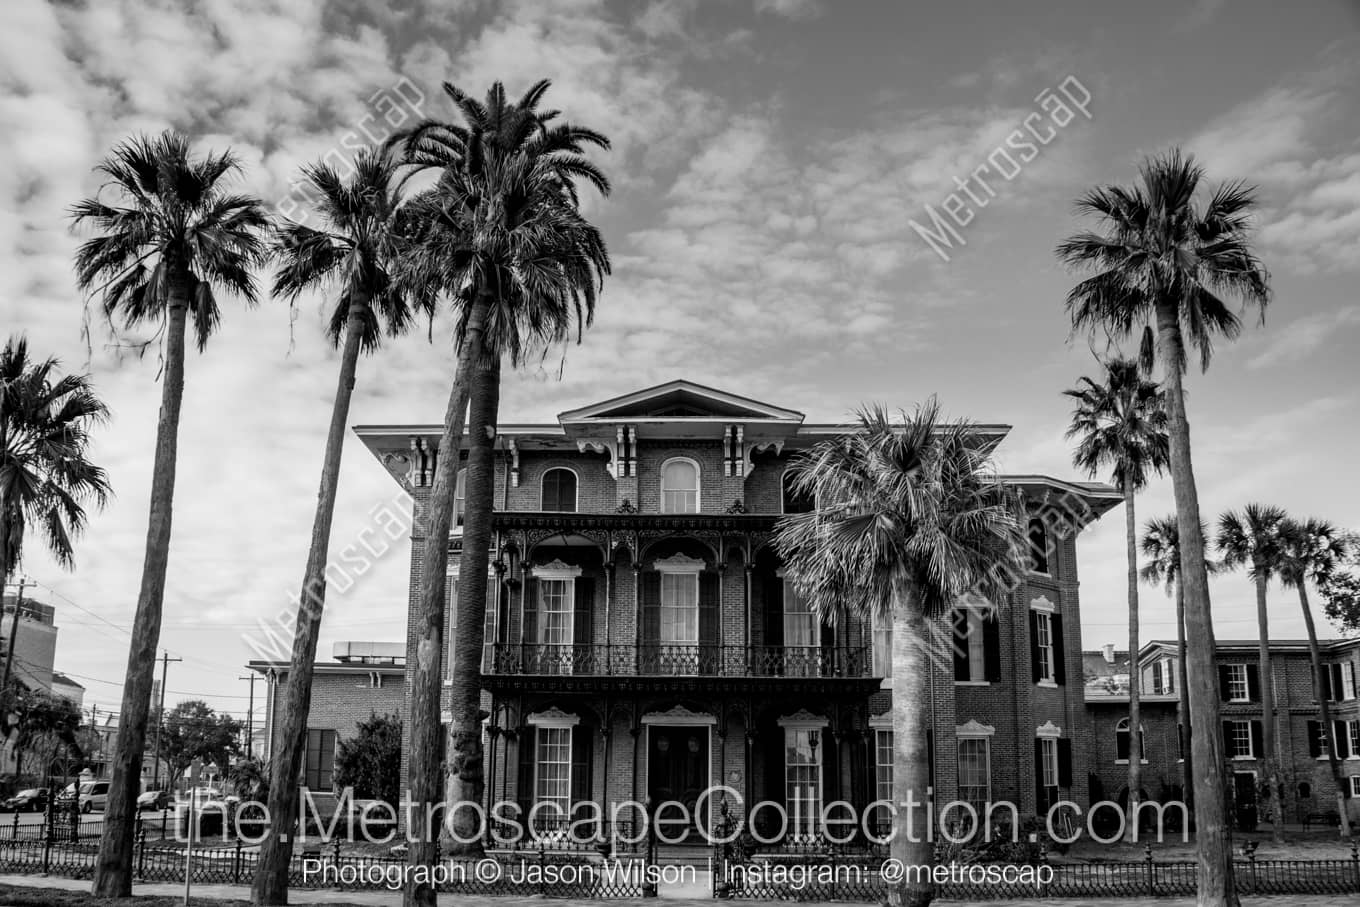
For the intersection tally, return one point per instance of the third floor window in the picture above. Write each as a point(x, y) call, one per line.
point(680, 487)
point(559, 491)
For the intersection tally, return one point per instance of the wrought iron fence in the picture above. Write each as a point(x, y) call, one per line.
point(528, 872)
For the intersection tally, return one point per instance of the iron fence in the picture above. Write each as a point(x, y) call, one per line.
point(681, 660)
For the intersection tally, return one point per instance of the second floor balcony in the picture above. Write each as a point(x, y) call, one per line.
point(525, 666)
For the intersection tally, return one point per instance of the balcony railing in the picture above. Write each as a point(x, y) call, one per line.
point(682, 660)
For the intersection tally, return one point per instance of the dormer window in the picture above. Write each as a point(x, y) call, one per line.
point(680, 486)
point(559, 491)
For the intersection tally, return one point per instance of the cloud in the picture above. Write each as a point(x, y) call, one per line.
point(790, 9)
point(1303, 336)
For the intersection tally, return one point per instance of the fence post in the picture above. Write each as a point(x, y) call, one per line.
point(542, 863)
point(1250, 848)
point(141, 850)
point(1151, 870)
point(236, 862)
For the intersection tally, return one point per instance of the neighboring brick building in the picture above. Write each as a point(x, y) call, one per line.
point(365, 678)
point(1305, 774)
point(642, 641)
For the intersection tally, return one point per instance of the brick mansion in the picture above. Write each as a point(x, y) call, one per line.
point(642, 640)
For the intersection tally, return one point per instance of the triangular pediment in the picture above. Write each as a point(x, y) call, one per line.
point(680, 400)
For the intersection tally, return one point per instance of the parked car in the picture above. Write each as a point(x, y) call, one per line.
point(33, 800)
point(153, 799)
point(92, 794)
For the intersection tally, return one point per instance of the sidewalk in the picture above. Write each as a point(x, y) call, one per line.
point(392, 898)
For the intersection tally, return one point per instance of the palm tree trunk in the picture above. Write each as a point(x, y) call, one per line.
point(1333, 764)
point(1183, 706)
point(1271, 727)
point(426, 680)
point(912, 842)
point(1213, 840)
point(465, 781)
point(113, 870)
point(1135, 721)
point(270, 885)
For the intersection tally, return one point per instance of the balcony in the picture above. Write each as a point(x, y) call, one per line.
point(597, 667)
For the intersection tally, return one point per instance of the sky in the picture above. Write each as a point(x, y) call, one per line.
point(769, 161)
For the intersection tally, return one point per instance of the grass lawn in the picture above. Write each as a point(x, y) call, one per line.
point(23, 896)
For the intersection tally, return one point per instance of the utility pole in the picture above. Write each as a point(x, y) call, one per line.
point(250, 716)
point(160, 721)
point(10, 647)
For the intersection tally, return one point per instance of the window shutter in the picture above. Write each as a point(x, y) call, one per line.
point(775, 767)
point(582, 747)
point(1254, 683)
point(1040, 795)
point(1342, 739)
point(1315, 739)
point(529, 592)
point(1059, 659)
point(710, 598)
point(1228, 749)
point(1223, 693)
point(991, 646)
point(930, 756)
point(774, 611)
point(1036, 669)
point(1324, 678)
point(1064, 762)
point(960, 638)
point(651, 607)
point(1121, 744)
point(583, 621)
point(1258, 747)
point(524, 781)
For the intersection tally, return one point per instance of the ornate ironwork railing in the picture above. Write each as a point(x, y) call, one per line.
point(681, 660)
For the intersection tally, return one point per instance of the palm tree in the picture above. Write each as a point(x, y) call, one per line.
point(1163, 258)
point(503, 236)
point(1121, 421)
point(910, 519)
point(1312, 551)
point(170, 239)
point(355, 250)
point(1254, 539)
point(1161, 547)
point(46, 476)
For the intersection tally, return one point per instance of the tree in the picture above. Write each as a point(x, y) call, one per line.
point(1311, 550)
point(249, 778)
point(1161, 546)
point(503, 236)
point(356, 252)
point(1164, 258)
point(1255, 539)
point(1121, 422)
point(370, 761)
point(46, 727)
point(1340, 588)
point(170, 240)
point(46, 476)
point(910, 519)
point(193, 730)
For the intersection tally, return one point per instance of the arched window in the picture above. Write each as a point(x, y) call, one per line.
point(794, 501)
point(459, 494)
point(680, 486)
point(1038, 546)
point(1121, 742)
point(559, 491)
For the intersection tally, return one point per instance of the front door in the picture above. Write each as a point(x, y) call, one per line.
point(1244, 800)
point(677, 772)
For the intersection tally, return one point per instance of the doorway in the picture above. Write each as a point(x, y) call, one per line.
point(677, 773)
point(1244, 801)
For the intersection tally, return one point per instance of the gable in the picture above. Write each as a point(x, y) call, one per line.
point(681, 400)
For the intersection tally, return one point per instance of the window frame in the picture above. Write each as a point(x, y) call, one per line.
point(1122, 727)
point(1034, 564)
point(1048, 667)
point(664, 608)
point(1237, 737)
point(811, 824)
point(880, 655)
point(697, 491)
point(1355, 786)
point(784, 494)
point(575, 489)
point(539, 731)
point(986, 742)
point(459, 498)
point(1233, 669)
point(320, 749)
